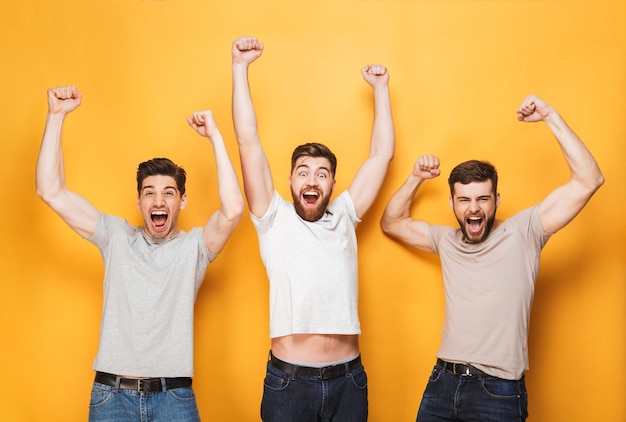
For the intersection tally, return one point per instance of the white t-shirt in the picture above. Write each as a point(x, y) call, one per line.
point(312, 268)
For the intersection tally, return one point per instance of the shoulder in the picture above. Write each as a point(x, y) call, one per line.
point(528, 217)
point(344, 203)
point(528, 224)
point(109, 224)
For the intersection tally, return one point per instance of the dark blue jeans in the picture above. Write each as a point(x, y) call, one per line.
point(288, 397)
point(477, 398)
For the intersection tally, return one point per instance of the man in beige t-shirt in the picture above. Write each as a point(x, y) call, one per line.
point(489, 268)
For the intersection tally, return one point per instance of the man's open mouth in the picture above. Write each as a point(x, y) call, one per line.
point(159, 218)
point(311, 197)
point(474, 224)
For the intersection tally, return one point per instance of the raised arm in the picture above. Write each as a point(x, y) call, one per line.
point(75, 210)
point(257, 177)
point(565, 202)
point(369, 179)
point(396, 221)
point(222, 222)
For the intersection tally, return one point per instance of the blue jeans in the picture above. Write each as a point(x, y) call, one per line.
point(288, 397)
point(477, 398)
point(110, 404)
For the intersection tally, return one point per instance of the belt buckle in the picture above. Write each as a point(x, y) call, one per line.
point(147, 385)
point(467, 372)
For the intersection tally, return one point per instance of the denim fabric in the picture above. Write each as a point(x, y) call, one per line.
point(109, 404)
point(450, 397)
point(288, 398)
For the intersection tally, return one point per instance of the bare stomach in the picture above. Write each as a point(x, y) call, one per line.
point(315, 348)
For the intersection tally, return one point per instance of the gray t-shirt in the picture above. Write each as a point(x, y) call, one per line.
point(150, 290)
point(489, 290)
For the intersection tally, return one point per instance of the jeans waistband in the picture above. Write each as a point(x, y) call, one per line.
point(461, 369)
point(142, 385)
point(324, 373)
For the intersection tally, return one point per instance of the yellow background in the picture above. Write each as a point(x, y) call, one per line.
point(458, 71)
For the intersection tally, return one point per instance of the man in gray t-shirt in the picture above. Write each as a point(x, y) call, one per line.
point(489, 268)
point(144, 363)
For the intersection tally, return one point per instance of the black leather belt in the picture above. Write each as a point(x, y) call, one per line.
point(325, 373)
point(460, 369)
point(143, 385)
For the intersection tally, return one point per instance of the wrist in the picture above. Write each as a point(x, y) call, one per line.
point(552, 116)
point(56, 115)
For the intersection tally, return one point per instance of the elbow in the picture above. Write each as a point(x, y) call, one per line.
point(385, 225)
point(599, 180)
point(591, 184)
point(234, 213)
point(596, 182)
point(383, 146)
point(390, 157)
point(46, 195)
point(40, 193)
point(389, 153)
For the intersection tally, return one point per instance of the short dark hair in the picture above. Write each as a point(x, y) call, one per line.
point(313, 149)
point(473, 171)
point(161, 167)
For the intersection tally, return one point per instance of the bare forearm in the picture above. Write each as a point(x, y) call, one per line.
point(50, 174)
point(244, 115)
point(399, 206)
point(397, 222)
point(228, 185)
point(383, 135)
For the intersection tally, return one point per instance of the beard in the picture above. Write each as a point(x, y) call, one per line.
point(306, 213)
point(474, 239)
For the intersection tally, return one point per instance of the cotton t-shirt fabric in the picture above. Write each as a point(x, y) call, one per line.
point(312, 268)
point(489, 290)
point(150, 289)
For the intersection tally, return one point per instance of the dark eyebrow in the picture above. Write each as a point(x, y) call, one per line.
point(152, 187)
point(478, 197)
point(317, 169)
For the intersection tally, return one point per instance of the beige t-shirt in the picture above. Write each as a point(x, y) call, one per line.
point(489, 290)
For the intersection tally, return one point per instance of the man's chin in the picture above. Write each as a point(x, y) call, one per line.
point(157, 233)
point(473, 237)
point(309, 214)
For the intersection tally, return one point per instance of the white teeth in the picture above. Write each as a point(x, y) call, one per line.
point(159, 213)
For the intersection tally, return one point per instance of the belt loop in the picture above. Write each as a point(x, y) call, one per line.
point(294, 372)
point(347, 368)
point(117, 384)
point(163, 385)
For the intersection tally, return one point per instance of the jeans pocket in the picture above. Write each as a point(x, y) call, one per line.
point(182, 394)
point(275, 382)
point(434, 375)
point(100, 395)
point(502, 388)
point(359, 378)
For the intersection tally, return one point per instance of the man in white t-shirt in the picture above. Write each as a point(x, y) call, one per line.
point(309, 250)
